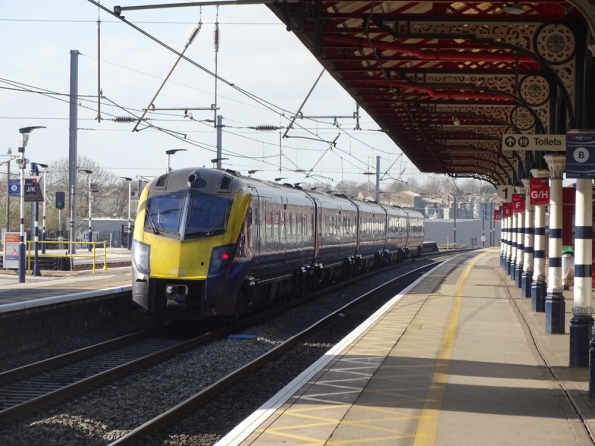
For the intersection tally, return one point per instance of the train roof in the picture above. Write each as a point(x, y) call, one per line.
point(227, 180)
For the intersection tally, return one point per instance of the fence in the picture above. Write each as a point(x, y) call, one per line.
point(89, 254)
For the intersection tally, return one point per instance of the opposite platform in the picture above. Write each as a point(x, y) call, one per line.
point(51, 289)
point(458, 358)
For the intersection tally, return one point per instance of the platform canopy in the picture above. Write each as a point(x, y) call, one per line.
point(446, 80)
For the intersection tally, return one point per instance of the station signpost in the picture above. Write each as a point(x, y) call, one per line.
point(539, 191)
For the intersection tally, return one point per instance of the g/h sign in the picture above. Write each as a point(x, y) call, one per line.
point(539, 192)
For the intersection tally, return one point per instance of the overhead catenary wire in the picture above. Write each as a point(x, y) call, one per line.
point(257, 99)
point(216, 37)
point(269, 106)
point(152, 103)
point(289, 127)
point(166, 131)
point(51, 94)
point(261, 101)
point(119, 22)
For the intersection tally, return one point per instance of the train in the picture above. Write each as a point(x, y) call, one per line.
point(212, 243)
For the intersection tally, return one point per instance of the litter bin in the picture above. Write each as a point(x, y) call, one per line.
point(568, 266)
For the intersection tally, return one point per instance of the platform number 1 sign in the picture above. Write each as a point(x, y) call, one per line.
point(505, 193)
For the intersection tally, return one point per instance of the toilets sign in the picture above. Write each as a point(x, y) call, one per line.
point(580, 155)
point(531, 142)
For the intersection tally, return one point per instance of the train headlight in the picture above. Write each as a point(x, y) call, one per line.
point(220, 257)
point(140, 256)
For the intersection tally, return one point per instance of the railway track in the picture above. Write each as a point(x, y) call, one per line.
point(204, 395)
point(32, 387)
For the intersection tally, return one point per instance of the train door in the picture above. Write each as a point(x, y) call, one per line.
point(316, 226)
point(407, 230)
point(384, 227)
point(253, 216)
point(358, 228)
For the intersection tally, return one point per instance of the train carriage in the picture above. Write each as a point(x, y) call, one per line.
point(396, 233)
point(213, 243)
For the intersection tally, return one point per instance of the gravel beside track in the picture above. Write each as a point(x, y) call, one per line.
point(107, 413)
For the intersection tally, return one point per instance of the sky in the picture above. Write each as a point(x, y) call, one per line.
point(256, 54)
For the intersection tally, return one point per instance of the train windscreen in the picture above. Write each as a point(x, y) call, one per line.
point(206, 215)
point(164, 212)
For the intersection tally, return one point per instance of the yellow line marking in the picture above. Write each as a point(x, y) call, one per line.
point(428, 423)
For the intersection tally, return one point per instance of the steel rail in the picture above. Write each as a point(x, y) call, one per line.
point(107, 375)
point(61, 360)
point(185, 406)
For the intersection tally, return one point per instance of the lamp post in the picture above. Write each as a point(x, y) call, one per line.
point(90, 235)
point(43, 232)
point(129, 238)
point(35, 171)
point(169, 153)
point(10, 158)
point(22, 162)
point(483, 226)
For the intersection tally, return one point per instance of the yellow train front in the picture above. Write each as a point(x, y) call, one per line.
point(185, 238)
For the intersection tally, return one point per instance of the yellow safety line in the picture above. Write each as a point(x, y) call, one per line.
point(428, 423)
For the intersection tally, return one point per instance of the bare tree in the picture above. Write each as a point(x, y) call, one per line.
point(110, 200)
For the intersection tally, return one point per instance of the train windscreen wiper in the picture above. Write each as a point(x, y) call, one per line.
point(150, 220)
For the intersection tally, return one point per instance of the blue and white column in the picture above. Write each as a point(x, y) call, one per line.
point(504, 236)
point(506, 223)
point(512, 252)
point(539, 285)
point(582, 309)
point(527, 277)
point(511, 244)
point(503, 240)
point(555, 306)
point(520, 242)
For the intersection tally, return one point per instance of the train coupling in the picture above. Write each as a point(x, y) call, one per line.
point(176, 293)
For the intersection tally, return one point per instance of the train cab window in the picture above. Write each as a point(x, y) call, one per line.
point(164, 212)
point(207, 215)
point(185, 215)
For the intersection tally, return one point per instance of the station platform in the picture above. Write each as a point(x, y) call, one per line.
point(61, 286)
point(458, 358)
